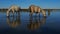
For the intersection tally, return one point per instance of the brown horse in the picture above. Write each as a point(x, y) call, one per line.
point(36, 9)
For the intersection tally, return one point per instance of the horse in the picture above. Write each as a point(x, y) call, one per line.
point(13, 9)
point(36, 9)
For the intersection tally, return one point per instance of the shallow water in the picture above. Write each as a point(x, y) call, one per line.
point(24, 23)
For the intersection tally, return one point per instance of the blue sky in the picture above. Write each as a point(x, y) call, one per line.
point(26, 3)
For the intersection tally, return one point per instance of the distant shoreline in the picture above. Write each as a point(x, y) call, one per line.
point(26, 9)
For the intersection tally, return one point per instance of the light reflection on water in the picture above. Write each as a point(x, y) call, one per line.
point(24, 22)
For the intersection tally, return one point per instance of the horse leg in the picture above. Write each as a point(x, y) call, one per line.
point(31, 9)
point(39, 10)
point(8, 12)
point(13, 11)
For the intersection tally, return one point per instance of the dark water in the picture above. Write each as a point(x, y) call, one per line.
point(24, 23)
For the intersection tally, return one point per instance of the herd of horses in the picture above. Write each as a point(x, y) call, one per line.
point(32, 9)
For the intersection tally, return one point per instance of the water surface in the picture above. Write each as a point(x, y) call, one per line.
point(25, 23)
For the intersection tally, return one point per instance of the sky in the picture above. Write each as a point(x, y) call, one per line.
point(45, 4)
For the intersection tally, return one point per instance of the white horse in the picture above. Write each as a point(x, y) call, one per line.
point(13, 9)
point(37, 9)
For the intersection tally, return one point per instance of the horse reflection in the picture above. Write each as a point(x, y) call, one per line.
point(14, 22)
point(36, 22)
